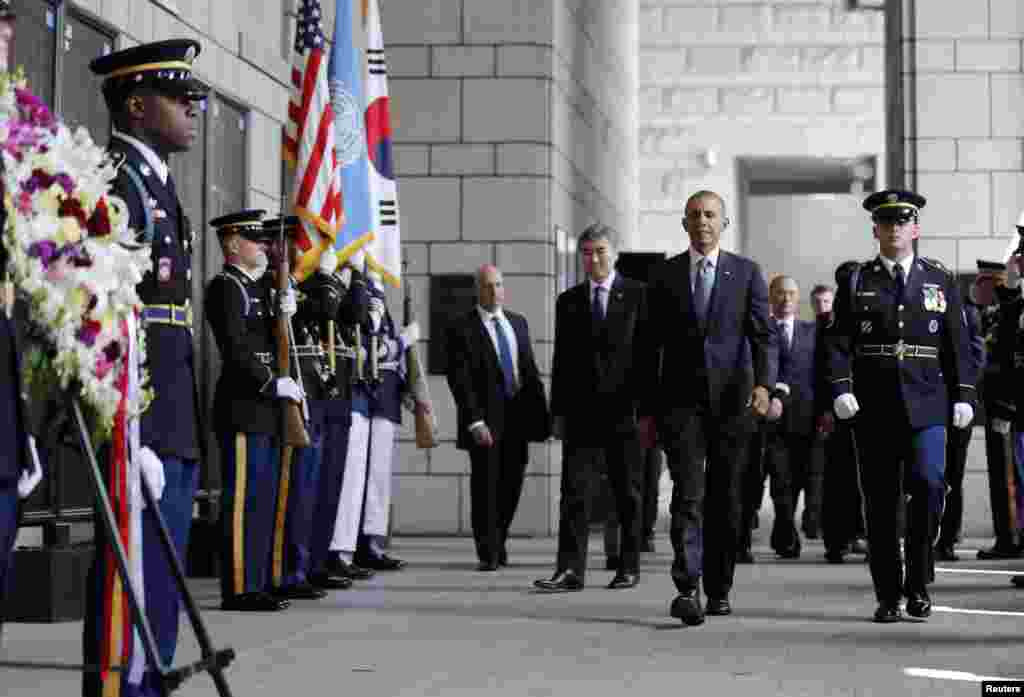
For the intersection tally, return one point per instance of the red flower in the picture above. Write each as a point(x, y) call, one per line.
point(88, 332)
point(99, 223)
point(72, 208)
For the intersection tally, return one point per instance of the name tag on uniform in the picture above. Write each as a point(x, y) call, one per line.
point(866, 293)
point(164, 267)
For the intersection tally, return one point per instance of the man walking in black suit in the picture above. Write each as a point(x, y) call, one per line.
point(791, 442)
point(501, 407)
point(594, 395)
point(711, 353)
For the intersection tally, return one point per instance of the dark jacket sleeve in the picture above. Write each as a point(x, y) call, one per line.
point(560, 355)
point(839, 333)
point(535, 407)
point(225, 308)
point(460, 377)
point(960, 372)
point(764, 341)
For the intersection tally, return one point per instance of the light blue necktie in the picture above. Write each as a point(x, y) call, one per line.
point(702, 289)
point(505, 354)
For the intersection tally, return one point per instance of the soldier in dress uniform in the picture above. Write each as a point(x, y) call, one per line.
point(152, 98)
point(897, 357)
point(989, 288)
point(247, 416)
point(376, 412)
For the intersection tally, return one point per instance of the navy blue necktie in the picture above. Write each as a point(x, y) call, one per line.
point(597, 308)
point(505, 355)
point(901, 282)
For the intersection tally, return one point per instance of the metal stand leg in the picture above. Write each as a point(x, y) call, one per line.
point(213, 661)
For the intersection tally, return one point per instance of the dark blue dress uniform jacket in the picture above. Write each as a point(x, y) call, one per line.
point(238, 310)
point(170, 425)
point(915, 391)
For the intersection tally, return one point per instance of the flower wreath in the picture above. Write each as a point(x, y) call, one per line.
point(71, 254)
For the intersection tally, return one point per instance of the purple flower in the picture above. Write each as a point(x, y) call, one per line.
point(112, 351)
point(44, 249)
point(88, 332)
point(66, 182)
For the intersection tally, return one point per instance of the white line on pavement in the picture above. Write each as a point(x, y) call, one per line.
point(960, 675)
point(981, 572)
point(962, 611)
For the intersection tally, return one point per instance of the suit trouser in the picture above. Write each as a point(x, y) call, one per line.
point(787, 458)
point(705, 458)
point(296, 500)
point(957, 442)
point(1002, 486)
point(251, 470)
point(332, 472)
point(371, 443)
point(495, 484)
point(652, 459)
point(623, 466)
point(161, 596)
point(812, 483)
point(10, 508)
point(904, 460)
point(842, 509)
point(752, 487)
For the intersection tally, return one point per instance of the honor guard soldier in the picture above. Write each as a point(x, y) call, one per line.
point(247, 416)
point(897, 357)
point(335, 301)
point(376, 412)
point(318, 300)
point(152, 98)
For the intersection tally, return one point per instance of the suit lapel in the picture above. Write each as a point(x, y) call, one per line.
point(915, 283)
point(687, 286)
point(616, 312)
point(484, 338)
point(723, 276)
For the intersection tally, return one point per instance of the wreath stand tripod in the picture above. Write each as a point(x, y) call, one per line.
point(213, 661)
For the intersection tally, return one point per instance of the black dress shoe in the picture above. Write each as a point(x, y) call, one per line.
point(561, 582)
point(686, 607)
point(946, 553)
point(379, 562)
point(789, 553)
point(858, 546)
point(744, 556)
point(998, 551)
point(1017, 581)
point(337, 566)
point(611, 563)
point(624, 579)
point(253, 602)
point(503, 557)
point(718, 606)
point(888, 613)
point(834, 556)
point(919, 605)
point(322, 579)
point(487, 566)
point(299, 591)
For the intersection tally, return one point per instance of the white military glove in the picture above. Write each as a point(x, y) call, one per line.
point(410, 335)
point(1000, 426)
point(287, 388)
point(963, 415)
point(29, 480)
point(846, 406)
point(152, 471)
point(286, 303)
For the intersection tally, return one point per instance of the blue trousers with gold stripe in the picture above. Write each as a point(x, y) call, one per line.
point(296, 500)
point(334, 443)
point(250, 467)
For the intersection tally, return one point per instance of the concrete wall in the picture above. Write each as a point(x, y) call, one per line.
point(513, 117)
point(964, 95)
point(757, 78)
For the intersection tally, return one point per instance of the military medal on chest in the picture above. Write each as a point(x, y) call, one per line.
point(934, 298)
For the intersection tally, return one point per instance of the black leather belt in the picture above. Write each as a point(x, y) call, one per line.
point(174, 315)
point(899, 350)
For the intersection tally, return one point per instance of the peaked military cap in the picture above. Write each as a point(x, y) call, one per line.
point(247, 223)
point(6, 11)
point(291, 224)
point(165, 66)
point(894, 205)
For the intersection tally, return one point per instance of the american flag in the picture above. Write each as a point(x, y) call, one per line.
point(309, 141)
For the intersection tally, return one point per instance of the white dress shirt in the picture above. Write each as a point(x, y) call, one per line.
point(786, 327)
point(906, 263)
point(487, 318)
point(148, 154)
point(607, 285)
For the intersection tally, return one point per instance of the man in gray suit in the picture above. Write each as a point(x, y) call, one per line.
point(711, 354)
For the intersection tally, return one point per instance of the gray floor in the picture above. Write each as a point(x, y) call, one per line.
point(440, 628)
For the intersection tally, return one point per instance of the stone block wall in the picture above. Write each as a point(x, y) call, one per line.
point(722, 79)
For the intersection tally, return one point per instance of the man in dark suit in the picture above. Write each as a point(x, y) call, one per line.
point(897, 359)
point(711, 353)
point(791, 442)
point(595, 389)
point(501, 407)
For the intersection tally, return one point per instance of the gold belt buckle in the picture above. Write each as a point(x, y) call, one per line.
point(188, 314)
point(900, 350)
